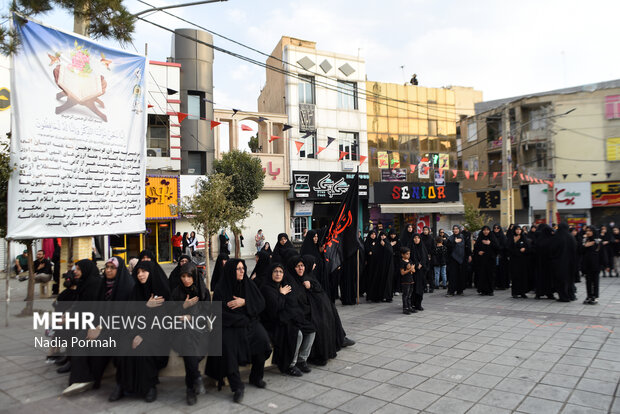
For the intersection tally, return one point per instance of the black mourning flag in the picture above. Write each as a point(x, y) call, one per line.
point(340, 240)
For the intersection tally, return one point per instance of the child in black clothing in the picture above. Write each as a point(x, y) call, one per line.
point(440, 258)
point(407, 269)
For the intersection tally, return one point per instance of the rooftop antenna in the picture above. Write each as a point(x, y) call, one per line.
point(402, 69)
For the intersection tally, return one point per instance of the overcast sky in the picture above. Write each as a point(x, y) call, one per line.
point(501, 48)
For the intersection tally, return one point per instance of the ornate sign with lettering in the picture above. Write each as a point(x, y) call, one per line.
point(306, 117)
point(327, 186)
point(387, 193)
point(161, 193)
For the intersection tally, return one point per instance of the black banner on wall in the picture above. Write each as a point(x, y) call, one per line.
point(326, 186)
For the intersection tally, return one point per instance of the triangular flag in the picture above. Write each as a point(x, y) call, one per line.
point(286, 127)
point(594, 174)
point(235, 111)
point(261, 119)
point(181, 116)
point(608, 175)
point(579, 175)
point(495, 175)
point(484, 174)
point(330, 140)
point(521, 175)
point(307, 134)
point(412, 167)
point(503, 173)
point(214, 124)
point(274, 137)
point(514, 174)
point(342, 154)
point(466, 174)
point(454, 173)
point(362, 159)
point(246, 128)
point(476, 176)
point(171, 91)
point(149, 106)
point(320, 149)
point(299, 144)
point(564, 176)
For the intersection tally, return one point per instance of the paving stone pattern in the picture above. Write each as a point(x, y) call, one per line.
point(467, 354)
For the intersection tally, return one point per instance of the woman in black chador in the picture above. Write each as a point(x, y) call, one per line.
point(590, 249)
point(406, 237)
point(544, 270)
point(190, 290)
point(518, 251)
point(244, 339)
point(330, 336)
point(218, 270)
point(382, 272)
point(485, 250)
point(563, 263)
point(419, 256)
point(311, 246)
point(395, 243)
point(138, 374)
point(287, 318)
point(370, 255)
point(174, 279)
point(260, 274)
point(502, 273)
point(283, 243)
point(459, 253)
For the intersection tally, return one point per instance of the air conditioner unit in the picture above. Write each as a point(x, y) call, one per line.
point(153, 152)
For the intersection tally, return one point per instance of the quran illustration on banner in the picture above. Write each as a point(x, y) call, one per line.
point(79, 137)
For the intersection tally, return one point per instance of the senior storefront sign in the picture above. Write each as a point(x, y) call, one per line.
point(419, 198)
point(568, 196)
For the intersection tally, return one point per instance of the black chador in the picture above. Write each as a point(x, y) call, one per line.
point(380, 286)
point(419, 257)
point(485, 250)
point(244, 339)
point(502, 275)
point(563, 262)
point(311, 246)
point(370, 254)
point(218, 270)
point(518, 252)
point(395, 243)
point(174, 279)
point(544, 269)
point(260, 274)
point(459, 252)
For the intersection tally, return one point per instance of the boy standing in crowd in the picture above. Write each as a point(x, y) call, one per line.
point(440, 257)
point(407, 269)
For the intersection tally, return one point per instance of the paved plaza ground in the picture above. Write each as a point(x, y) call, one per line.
point(468, 354)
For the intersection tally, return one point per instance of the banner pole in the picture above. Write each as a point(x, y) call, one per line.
point(357, 232)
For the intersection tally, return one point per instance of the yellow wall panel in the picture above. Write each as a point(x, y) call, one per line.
point(441, 96)
point(442, 127)
point(403, 126)
point(413, 127)
point(422, 96)
point(431, 94)
point(451, 128)
point(383, 125)
point(393, 125)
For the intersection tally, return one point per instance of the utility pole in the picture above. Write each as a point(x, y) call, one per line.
point(507, 203)
point(552, 207)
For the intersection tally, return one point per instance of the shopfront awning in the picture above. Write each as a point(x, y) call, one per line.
point(442, 208)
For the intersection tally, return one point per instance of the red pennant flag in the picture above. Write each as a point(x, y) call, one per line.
point(454, 173)
point(320, 149)
point(494, 175)
point(484, 174)
point(299, 144)
point(274, 137)
point(181, 116)
point(362, 159)
point(476, 176)
point(214, 124)
point(466, 174)
point(503, 172)
point(514, 174)
point(412, 167)
point(521, 175)
point(246, 128)
point(149, 106)
point(342, 155)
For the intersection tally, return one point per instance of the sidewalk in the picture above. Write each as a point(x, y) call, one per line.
point(463, 354)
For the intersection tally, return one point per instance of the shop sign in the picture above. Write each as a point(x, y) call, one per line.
point(491, 200)
point(383, 159)
point(389, 193)
point(303, 208)
point(275, 176)
point(162, 197)
point(568, 196)
point(606, 194)
point(326, 186)
point(394, 174)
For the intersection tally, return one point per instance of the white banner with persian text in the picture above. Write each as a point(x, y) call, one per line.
point(78, 143)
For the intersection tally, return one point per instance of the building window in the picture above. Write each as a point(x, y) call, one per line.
point(349, 143)
point(494, 127)
point(347, 95)
point(195, 105)
point(432, 127)
point(541, 156)
point(538, 119)
point(306, 89)
point(299, 225)
point(472, 131)
point(158, 136)
point(612, 107)
point(473, 164)
point(308, 150)
point(196, 163)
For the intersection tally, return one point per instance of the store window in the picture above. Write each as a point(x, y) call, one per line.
point(299, 225)
point(157, 239)
point(349, 143)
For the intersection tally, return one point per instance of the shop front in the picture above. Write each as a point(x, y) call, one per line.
point(397, 204)
point(605, 202)
point(573, 201)
point(161, 199)
point(316, 195)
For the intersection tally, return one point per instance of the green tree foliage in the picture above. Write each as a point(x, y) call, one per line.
point(247, 175)
point(108, 19)
point(253, 143)
point(211, 207)
point(474, 219)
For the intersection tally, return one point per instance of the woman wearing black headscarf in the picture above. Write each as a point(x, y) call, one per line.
point(563, 263)
point(370, 254)
point(84, 370)
point(267, 248)
point(244, 339)
point(282, 244)
point(330, 336)
point(311, 246)
point(174, 279)
point(395, 243)
point(380, 289)
point(544, 271)
point(287, 318)
point(261, 271)
point(419, 256)
point(485, 250)
point(518, 252)
point(147, 255)
point(532, 262)
point(139, 373)
point(406, 237)
point(591, 248)
point(459, 254)
point(218, 270)
point(502, 276)
point(188, 293)
point(428, 240)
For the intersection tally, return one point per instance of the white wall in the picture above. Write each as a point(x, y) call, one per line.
point(269, 215)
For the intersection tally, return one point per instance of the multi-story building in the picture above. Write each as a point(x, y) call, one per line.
point(322, 95)
point(412, 140)
point(567, 136)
